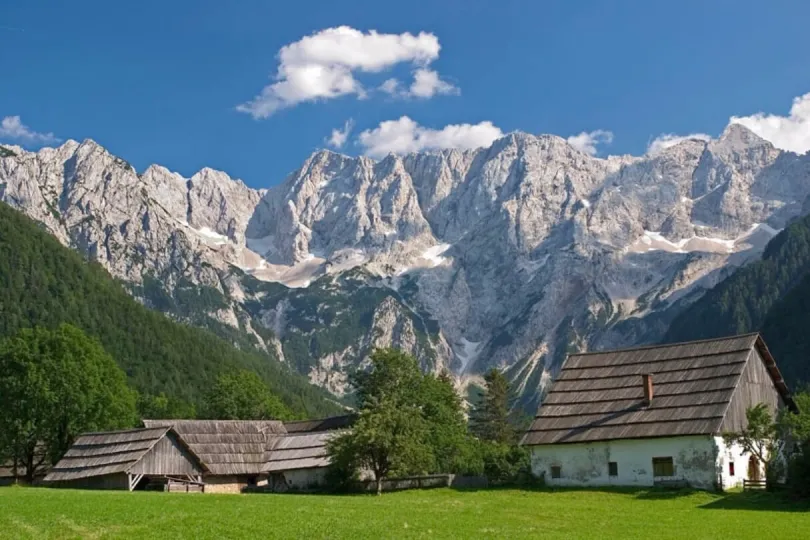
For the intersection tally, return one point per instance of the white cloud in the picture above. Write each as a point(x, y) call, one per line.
point(11, 127)
point(322, 66)
point(426, 84)
point(790, 132)
point(587, 141)
point(404, 135)
point(390, 86)
point(339, 136)
point(668, 140)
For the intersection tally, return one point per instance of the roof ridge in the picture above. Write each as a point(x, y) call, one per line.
point(663, 345)
point(122, 431)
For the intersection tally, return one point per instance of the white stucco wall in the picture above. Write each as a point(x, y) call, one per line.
point(303, 479)
point(695, 460)
point(733, 454)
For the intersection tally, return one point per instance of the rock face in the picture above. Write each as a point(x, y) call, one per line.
point(507, 256)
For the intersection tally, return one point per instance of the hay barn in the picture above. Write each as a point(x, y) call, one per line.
point(655, 415)
point(299, 460)
point(131, 459)
point(234, 451)
point(215, 456)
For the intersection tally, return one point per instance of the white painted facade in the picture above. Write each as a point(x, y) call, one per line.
point(305, 479)
point(733, 454)
point(701, 461)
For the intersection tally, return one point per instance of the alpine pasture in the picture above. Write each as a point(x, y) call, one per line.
point(441, 513)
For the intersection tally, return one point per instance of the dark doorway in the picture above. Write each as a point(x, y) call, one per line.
point(753, 469)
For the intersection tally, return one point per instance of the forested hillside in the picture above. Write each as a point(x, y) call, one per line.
point(44, 283)
point(771, 296)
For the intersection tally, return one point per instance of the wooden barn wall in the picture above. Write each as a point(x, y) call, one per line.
point(108, 481)
point(167, 457)
point(756, 386)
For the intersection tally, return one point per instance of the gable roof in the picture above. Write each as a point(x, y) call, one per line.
point(599, 396)
point(322, 424)
point(304, 446)
point(228, 447)
point(97, 454)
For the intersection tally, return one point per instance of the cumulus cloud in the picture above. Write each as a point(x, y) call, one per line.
point(587, 141)
point(405, 135)
point(668, 140)
point(11, 127)
point(323, 65)
point(426, 84)
point(790, 132)
point(339, 136)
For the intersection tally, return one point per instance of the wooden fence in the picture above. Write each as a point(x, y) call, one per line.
point(749, 485)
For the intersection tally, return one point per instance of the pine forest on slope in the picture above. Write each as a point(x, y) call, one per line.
point(42, 283)
point(771, 296)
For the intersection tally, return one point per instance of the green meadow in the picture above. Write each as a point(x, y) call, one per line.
point(442, 513)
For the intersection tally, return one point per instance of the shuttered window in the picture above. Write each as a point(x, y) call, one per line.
point(663, 466)
point(613, 469)
point(556, 471)
point(731, 469)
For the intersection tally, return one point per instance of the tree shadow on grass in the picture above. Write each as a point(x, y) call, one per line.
point(769, 502)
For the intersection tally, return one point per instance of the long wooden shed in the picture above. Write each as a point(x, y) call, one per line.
point(128, 459)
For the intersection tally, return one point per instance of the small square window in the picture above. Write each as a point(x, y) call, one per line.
point(613, 469)
point(731, 468)
point(556, 471)
point(663, 466)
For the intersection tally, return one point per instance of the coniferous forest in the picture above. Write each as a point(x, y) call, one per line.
point(771, 295)
point(43, 283)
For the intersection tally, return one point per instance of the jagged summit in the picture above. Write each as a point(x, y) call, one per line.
point(507, 255)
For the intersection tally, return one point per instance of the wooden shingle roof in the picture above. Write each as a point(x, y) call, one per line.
point(304, 446)
point(600, 396)
point(98, 454)
point(228, 447)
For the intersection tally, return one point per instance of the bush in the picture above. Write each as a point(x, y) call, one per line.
point(504, 463)
point(799, 472)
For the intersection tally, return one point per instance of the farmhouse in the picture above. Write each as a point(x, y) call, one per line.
point(215, 456)
point(655, 415)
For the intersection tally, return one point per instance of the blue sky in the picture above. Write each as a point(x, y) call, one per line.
point(160, 82)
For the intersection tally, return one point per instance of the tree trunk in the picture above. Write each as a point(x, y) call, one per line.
point(379, 485)
point(29, 468)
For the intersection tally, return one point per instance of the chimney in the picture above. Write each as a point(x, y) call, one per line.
point(648, 388)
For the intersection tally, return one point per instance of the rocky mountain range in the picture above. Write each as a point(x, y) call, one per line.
point(508, 256)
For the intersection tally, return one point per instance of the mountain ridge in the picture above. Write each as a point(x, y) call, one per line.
point(519, 251)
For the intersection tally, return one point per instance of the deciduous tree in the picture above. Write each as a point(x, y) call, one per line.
point(54, 385)
point(242, 395)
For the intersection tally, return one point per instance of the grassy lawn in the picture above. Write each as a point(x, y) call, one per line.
point(444, 513)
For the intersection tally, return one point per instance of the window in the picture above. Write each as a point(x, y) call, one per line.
point(613, 469)
point(556, 471)
point(731, 468)
point(663, 466)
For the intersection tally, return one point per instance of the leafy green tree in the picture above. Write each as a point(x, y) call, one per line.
point(54, 385)
point(761, 438)
point(796, 429)
point(408, 423)
point(490, 420)
point(163, 406)
point(242, 395)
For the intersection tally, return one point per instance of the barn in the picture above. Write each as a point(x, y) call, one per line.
point(299, 460)
point(214, 456)
point(234, 452)
point(655, 415)
point(130, 459)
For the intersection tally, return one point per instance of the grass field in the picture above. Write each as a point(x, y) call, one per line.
point(445, 513)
